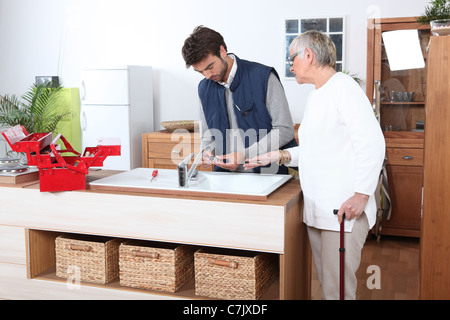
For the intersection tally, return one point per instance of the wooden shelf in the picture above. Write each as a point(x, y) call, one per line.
point(404, 103)
point(187, 291)
point(43, 267)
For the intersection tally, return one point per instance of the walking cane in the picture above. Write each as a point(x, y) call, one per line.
point(341, 259)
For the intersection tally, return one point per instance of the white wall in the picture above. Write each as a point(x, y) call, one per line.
point(57, 37)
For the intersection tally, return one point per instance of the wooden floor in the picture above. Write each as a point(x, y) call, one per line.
point(398, 259)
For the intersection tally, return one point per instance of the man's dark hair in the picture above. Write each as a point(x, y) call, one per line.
point(202, 42)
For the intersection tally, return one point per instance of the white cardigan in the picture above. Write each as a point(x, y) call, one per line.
point(341, 151)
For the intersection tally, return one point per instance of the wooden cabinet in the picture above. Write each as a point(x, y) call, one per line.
point(405, 175)
point(13, 260)
point(402, 119)
point(27, 260)
point(12, 245)
point(435, 239)
point(164, 149)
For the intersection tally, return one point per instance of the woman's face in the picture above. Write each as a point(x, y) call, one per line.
point(298, 66)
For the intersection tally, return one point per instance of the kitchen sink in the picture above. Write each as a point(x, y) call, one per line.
point(215, 184)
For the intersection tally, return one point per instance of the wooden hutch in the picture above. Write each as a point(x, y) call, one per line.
point(402, 121)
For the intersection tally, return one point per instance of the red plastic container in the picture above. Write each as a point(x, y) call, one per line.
point(57, 172)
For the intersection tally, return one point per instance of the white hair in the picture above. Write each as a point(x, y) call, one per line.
point(322, 46)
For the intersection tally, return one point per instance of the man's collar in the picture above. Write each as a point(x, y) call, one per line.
point(232, 72)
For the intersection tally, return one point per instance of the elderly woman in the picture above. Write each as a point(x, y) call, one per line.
point(340, 156)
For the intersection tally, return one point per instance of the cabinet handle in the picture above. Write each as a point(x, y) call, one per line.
point(83, 90)
point(408, 158)
point(79, 247)
point(83, 120)
point(223, 263)
point(176, 151)
point(153, 255)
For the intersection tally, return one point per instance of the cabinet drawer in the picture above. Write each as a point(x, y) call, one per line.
point(171, 151)
point(404, 156)
point(164, 163)
point(165, 150)
point(12, 245)
point(170, 164)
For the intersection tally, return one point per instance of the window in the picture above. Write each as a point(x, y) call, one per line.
point(334, 27)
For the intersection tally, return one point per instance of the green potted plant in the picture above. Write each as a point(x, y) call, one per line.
point(437, 10)
point(37, 110)
point(353, 75)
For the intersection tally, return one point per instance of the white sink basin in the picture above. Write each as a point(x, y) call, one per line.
point(217, 184)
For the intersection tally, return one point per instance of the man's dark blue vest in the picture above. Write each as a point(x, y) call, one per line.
point(249, 92)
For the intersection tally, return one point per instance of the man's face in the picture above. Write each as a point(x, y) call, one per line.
point(212, 68)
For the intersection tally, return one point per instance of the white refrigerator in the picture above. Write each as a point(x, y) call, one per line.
point(117, 102)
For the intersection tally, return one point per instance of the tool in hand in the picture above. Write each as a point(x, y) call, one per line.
point(341, 259)
point(154, 174)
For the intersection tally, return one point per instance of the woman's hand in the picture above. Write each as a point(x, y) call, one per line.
point(353, 207)
point(262, 160)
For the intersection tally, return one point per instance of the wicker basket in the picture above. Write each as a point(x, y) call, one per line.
point(92, 258)
point(155, 266)
point(189, 125)
point(233, 274)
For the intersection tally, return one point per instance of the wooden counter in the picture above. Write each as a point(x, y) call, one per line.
point(30, 221)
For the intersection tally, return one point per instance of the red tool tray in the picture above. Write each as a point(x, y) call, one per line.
point(57, 172)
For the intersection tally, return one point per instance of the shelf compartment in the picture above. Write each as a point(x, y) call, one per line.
point(42, 266)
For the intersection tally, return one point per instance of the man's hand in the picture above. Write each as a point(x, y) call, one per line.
point(230, 161)
point(207, 159)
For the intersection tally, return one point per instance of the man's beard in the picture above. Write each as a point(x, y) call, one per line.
point(223, 71)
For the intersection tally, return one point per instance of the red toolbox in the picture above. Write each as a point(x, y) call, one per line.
point(57, 172)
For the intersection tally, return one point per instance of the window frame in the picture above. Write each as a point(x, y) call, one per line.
point(292, 35)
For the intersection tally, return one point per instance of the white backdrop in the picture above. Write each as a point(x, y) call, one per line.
point(57, 37)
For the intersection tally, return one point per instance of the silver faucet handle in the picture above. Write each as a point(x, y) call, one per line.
point(194, 174)
point(186, 160)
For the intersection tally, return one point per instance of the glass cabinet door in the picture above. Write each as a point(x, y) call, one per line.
point(401, 92)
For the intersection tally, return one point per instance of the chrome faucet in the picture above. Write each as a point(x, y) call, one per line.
point(184, 175)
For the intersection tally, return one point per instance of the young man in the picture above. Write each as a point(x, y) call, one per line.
point(244, 108)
